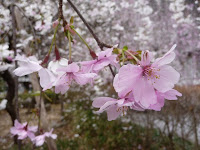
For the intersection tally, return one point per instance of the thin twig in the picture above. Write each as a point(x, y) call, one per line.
point(100, 44)
point(60, 10)
point(39, 111)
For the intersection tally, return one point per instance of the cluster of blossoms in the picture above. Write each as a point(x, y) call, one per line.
point(61, 74)
point(24, 130)
point(143, 85)
point(140, 83)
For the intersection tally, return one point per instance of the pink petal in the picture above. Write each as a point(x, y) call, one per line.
point(137, 107)
point(31, 135)
point(70, 68)
point(100, 101)
point(171, 94)
point(166, 59)
point(113, 112)
point(27, 65)
point(160, 103)
point(62, 85)
point(83, 78)
point(18, 125)
point(22, 134)
point(47, 78)
point(146, 57)
point(105, 53)
point(33, 128)
point(101, 64)
point(144, 92)
point(39, 140)
point(107, 105)
point(26, 68)
point(126, 78)
point(113, 61)
point(14, 131)
point(53, 136)
point(85, 63)
point(168, 76)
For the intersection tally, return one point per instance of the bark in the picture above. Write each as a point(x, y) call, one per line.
point(10, 107)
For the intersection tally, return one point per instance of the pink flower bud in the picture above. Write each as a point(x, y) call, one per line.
point(57, 53)
point(55, 23)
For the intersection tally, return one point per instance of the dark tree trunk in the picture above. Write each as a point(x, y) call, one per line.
point(10, 107)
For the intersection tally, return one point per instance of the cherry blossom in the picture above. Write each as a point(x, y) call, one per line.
point(169, 95)
point(115, 107)
point(145, 78)
point(40, 139)
point(71, 73)
point(55, 64)
point(27, 65)
point(104, 58)
point(23, 130)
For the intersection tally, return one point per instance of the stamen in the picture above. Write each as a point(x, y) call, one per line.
point(150, 72)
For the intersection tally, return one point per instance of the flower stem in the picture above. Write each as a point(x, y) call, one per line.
point(54, 38)
point(123, 58)
point(133, 56)
point(70, 47)
point(82, 39)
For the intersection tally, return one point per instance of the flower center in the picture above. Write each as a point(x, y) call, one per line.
point(150, 72)
point(123, 109)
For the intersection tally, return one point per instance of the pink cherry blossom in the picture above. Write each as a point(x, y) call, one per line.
point(169, 95)
point(104, 59)
point(115, 107)
point(71, 73)
point(145, 78)
point(23, 130)
point(27, 65)
point(40, 139)
point(48, 77)
point(55, 64)
point(55, 23)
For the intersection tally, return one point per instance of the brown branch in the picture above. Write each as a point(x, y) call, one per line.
point(60, 10)
point(100, 44)
point(12, 9)
point(14, 41)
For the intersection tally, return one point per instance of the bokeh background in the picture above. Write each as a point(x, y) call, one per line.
point(153, 25)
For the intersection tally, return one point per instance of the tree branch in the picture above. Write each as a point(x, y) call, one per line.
point(12, 9)
point(100, 44)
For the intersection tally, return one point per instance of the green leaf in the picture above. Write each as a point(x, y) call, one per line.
point(116, 51)
point(125, 48)
point(72, 20)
